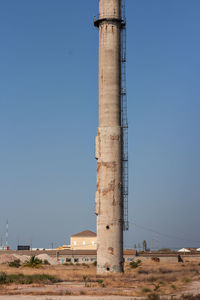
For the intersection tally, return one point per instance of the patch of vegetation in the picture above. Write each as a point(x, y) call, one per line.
point(151, 278)
point(86, 279)
point(33, 262)
point(146, 290)
point(15, 264)
point(187, 280)
point(68, 264)
point(190, 297)
point(100, 282)
point(95, 263)
point(170, 278)
point(173, 287)
point(165, 271)
point(27, 279)
point(156, 287)
point(143, 271)
point(45, 262)
point(153, 297)
point(85, 265)
point(135, 264)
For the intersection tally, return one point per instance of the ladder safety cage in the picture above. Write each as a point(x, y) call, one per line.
point(124, 118)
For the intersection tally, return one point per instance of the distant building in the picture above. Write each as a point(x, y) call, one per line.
point(3, 248)
point(23, 247)
point(85, 240)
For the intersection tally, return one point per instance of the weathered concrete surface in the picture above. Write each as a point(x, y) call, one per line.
point(108, 198)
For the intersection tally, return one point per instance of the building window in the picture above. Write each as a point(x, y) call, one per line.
point(68, 259)
point(74, 243)
point(83, 243)
point(92, 243)
point(75, 260)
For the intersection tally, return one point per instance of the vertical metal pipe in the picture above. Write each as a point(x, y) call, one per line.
point(108, 144)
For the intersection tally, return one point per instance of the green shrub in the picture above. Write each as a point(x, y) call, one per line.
point(135, 264)
point(187, 280)
point(95, 263)
point(33, 262)
point(15, 264)
point(3, 278)
point(26, 279)
point(146, 290)
point(153, 297)
point(45, 262)
point(85, 278)
point(173, 287)
point(156, 287)
point(99, 281)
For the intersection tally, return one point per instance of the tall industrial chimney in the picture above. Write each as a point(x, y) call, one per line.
point(109, 200)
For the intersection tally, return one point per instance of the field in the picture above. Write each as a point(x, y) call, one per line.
point(149, 279)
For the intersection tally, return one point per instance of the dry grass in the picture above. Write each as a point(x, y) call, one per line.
point(149, 277)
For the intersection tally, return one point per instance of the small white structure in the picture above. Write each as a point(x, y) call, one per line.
point(198, 249)
point(184, 250)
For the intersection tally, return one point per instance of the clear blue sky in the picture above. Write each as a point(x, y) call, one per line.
point(49, 114)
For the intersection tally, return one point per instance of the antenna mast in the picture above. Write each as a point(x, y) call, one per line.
point(7, 234)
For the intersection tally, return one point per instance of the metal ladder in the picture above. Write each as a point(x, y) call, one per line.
point(124, 119)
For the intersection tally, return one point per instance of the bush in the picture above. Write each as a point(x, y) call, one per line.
point(34, 262)
point(156, 287)
point(165, 271)
point(15, 264)
point(68, 264)
point(173, 287)
point(190, 297)
point(143, 271)
point(135, 264)
point(153, 297)
point(26, 279)
point(187, 280)
point(99, 281)
point(95, 263)
point(45, 262)
point(146, 290)
point(3, 278)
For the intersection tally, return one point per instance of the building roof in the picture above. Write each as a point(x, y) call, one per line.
point(85, 233)
point(183, 250)
point(130, 252)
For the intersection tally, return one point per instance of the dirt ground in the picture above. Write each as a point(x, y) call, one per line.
point(64, 298)
point(81, 282)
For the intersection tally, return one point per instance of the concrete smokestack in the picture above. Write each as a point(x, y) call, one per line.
point(108, 144)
